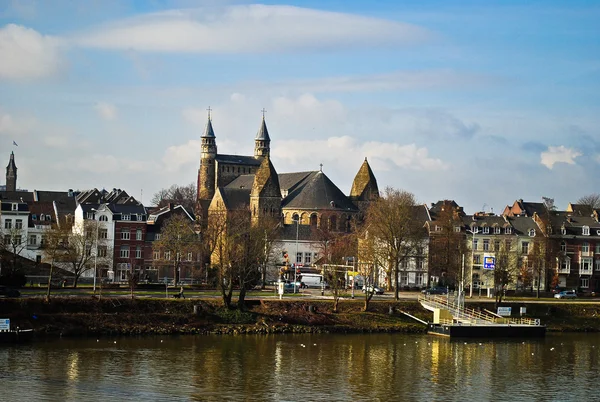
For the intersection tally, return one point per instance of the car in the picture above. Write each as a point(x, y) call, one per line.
point(372, 289)
point(566, 294)
point(436, 290)
point(8, 292)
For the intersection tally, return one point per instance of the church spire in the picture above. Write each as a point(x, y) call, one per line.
point(262, 141)
point(364, 186)
point(11, 174)
point(208, 154)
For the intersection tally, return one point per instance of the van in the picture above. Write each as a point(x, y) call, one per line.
point(313, 281)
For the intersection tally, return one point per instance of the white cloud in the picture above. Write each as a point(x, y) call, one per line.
point(249, 28)
point(106, 110)
point(25, 53)
point(559, 154)
point(15, 126)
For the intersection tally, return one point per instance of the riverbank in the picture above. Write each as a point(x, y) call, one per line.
point(64, 316)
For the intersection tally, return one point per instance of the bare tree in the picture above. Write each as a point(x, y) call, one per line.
point(369, 258)
point(590, 200)
point(506, 268)
point(13, 243)
point(397, 233)
point(447, 246)
point(181, 195)
point(53, 247)
point(178, 239)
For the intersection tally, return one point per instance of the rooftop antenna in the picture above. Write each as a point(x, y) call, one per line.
point(483, 208)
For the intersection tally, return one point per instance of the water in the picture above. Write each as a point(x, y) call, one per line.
point(302, 367)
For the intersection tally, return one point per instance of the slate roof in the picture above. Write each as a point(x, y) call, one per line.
point(7, 206)
point(263, 133)
point(235, 198)
point(243, 181)
point(238, 160)
point(288, 181)
point(436, 208)
point(288, 232)
point(318, 191)
point(26, 196)
point(208, 130)
point(38, 208)
point(522, 224)
point(582, 209)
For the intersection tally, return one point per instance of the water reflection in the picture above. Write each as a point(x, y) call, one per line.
point(302, 367)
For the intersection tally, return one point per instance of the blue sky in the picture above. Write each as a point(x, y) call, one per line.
point(481, 102)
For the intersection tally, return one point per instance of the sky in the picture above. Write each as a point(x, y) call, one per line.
point(480, 102)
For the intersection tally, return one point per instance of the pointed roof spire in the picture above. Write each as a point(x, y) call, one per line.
point(263, 133)
point(365, 183)
point(11, 162)
point(208, 130)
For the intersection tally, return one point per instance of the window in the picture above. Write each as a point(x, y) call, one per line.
point(585, 283)
point(474, 244)
point(19, 224)
point(299, 257)
point(34, 217)
point(6, 240)
point(103, 234)
point(102, 251)
point(32, 240)
point(89, 215)
point(315, 256)
point(531, 232)
point(124, 252)
point(563, 230)
point(138, 234)
point(497, 230)
point(597, 265)
point(168, 255)
point(15, 207)
point(474, 229)
point(43, 240)
point(126, 217)
point(563, 247)
point(419, 279)
point(486, 245)
point(438, 228)
point(157, 236)
point(565, 266)
point(508, 244)
point(508, 230)
point(486, 230)
point(125, 234)
point(18, 240)
point(586, 266)
point(420, 264)
point(48, 218)
point(597, 248)
point(156, 255)
point(103, 218)
point(497, 245)
point(190, 256)
point(307, 258)
point(476, 260)
point(8, 224)
point(138, 252)
point(585, 248)
point(457, 229)
point(525, 248)
point(403, 278)
point(585, 230)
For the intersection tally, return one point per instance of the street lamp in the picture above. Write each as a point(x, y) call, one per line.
point(297, 220)
point(96, 252)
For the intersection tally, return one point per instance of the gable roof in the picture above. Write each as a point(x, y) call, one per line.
point(364, 186)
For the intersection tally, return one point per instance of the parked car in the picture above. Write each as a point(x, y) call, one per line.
point(374, 289)
point(8, 292)
point(436, 290)
point(566, 294)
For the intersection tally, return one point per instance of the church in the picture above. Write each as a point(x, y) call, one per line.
point(235, 182)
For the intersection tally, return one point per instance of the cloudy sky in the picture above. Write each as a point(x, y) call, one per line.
point(481, 102)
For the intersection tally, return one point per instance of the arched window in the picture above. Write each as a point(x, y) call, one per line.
point(313, 220)
point(333, 222)
point(103, 218)
point(295, 217)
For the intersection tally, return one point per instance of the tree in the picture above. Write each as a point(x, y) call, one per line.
point(396, 231)
point(181, 195)
point(536, 261)
point(53, 247)
point(79, 249)
point(368, 259)
point(447, 246)
point(13, 243)
point(505, 270)
point(178, 238)
point(590, 200)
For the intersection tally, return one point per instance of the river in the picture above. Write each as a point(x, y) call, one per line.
point(379, 367)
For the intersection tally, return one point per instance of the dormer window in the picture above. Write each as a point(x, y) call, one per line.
point(563, 247)
point(457, 229)
point(15, 207)
point(508, 230)
point(438, 228)
point(585, 230)
point(103, 218)
point(486, 230)
point(474, 229)
point(126, 217)
point(563, 230)
point(90, 215)
point(531, 232)
point(497, 230)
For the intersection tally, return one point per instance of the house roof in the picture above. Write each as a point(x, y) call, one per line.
point(237, 160)
point(26, 196)
point(317, 191)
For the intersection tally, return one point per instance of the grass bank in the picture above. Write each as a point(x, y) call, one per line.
point(64, 316)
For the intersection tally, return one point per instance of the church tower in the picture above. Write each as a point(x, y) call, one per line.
point(262, 142)
point(364, 187)
point(11, 174)
point(207, 171)
point(265, 197)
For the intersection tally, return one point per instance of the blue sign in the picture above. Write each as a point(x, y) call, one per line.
point(4, 324)
point(489, 262)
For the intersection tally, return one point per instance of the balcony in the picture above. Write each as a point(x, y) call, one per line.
point(564, 270)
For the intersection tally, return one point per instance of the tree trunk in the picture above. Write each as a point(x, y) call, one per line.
point(242, 298)
point(396, 283)
point(49, 281)
point(76, 280)
point(336, 301)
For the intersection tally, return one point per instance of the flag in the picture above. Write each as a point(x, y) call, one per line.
point(15, 144)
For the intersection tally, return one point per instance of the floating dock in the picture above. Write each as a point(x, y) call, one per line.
point(455, 321)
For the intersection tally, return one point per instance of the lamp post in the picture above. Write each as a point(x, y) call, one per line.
point(96, 251)
point(295, 268)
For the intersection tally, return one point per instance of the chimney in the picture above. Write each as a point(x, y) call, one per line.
point(170, 206)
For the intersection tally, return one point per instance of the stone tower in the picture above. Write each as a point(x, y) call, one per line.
point(265, 197)
point(364, 187)
point(207, 171)
point(262, 142)
point(11, 174)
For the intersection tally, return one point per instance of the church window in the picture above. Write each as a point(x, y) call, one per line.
point(313, 220)
point(333, 222)
point(295, 218)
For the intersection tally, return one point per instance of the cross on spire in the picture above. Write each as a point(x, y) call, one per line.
point(320, 167)
point(263, 112)
point(209, 110)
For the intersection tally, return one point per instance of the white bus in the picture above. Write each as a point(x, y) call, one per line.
point(313, 281)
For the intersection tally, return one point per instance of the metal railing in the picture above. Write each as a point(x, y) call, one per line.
point(471, 316)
